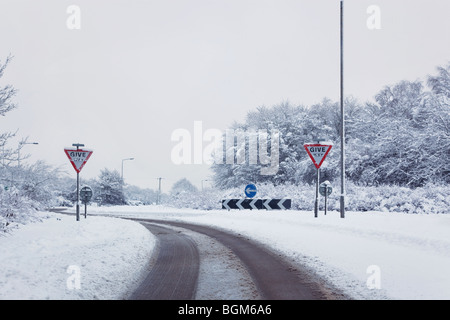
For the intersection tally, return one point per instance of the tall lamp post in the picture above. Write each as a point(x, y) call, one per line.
point(342, 197)
point(122, 165)
point(158, 199)
point(202, 184)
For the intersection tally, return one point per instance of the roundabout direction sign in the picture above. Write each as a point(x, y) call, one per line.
point(250, 191)
point(86, 196)
point(325, 190)
point(257, 204)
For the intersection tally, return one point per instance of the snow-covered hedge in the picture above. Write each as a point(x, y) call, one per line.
point(15, 208)
point(428, 199)
point(207, 200)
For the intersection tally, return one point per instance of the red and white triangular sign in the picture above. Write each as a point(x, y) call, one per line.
point(78, 158)
point(318, 152)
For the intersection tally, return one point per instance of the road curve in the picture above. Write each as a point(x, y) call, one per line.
point(175, 273)
point(273, 276)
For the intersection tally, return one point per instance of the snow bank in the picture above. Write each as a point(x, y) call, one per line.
point(411, 253)
point(61, 258)
point(431, 198)
point(370, 255)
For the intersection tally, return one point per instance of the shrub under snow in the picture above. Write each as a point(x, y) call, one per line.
point(424, 200)
point(15, 208)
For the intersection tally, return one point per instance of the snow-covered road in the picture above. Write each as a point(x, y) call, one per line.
point(369, 255)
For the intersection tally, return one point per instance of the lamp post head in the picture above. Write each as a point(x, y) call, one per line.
point(28, 142)
point(77, 145)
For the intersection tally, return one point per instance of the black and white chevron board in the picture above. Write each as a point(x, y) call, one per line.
point(256, 204)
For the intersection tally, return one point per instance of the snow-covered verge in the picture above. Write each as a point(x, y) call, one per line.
point(369, 255)
point(431, 198)
point(61, 258)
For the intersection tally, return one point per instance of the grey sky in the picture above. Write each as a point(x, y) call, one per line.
point(138, 70)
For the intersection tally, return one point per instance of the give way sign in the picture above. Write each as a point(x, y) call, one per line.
point(318, 152)
point(78, 158)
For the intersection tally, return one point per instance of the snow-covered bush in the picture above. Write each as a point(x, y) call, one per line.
point(15, 208)
point(429, 199)
point(39, 183)
point(110, 188)
point(207, 200)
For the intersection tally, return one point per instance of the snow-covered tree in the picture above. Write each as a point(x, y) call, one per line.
point(183, 186)
point(15, 204)
point(382, 147)
point(296, 125)
point(136, 195)
point(401, 138)
point(39, 182)
point(7, 104)
point(438, 120)
point(110, 188)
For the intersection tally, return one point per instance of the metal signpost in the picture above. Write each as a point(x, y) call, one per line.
point(317, 152)
point(78, 159)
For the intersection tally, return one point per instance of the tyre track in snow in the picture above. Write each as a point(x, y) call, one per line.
point(175, 273)
point(274, 278)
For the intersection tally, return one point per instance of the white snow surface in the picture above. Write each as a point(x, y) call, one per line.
point(43, 260)
point(368, 255)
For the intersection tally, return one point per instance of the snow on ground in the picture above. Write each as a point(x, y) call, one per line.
point(61, 258)
point(369, 255)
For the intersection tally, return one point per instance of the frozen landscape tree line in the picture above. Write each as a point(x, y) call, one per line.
point(24, 188)
point(402, 138)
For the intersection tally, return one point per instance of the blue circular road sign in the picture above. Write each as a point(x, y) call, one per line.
point(250, 190)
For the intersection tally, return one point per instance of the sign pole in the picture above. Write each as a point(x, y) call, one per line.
point(317, 152)
point(78, 196)
point(78, 145)
point(316, 203)
point(78, 159)
point(326, 194)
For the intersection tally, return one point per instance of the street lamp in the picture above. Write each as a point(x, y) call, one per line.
point(18, 151)
point(122, 165)
point(202, 183)
point(342, 128)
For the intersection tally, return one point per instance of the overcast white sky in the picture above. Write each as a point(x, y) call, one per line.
point(139, 69)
